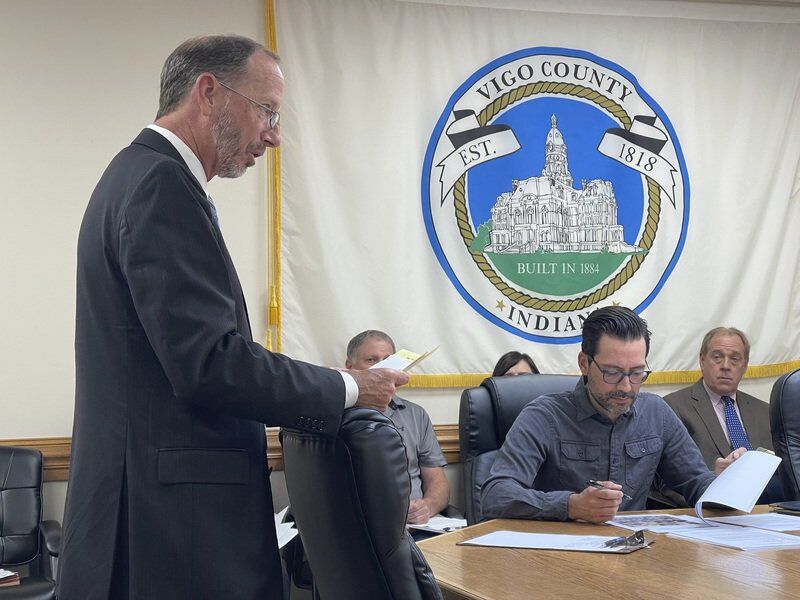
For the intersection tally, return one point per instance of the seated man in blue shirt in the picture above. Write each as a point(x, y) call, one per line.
point(605, 429)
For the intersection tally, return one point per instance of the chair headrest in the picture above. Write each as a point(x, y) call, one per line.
point(511, 394)
point(357, 414)
point(785, 399)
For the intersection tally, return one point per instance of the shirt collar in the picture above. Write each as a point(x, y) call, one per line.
point(189, 157)
point(716, 399)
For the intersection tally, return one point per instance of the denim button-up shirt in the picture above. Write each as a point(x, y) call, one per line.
point(559, 442)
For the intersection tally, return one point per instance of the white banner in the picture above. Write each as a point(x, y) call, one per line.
point(482, 179)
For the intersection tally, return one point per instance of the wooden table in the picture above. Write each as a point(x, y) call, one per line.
point(670, 568)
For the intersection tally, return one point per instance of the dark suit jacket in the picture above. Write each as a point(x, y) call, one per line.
point(169, 492)
point(694, 408)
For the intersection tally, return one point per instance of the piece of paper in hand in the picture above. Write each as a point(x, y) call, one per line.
point(740, 485)
point(402, 360)
point(285, 531)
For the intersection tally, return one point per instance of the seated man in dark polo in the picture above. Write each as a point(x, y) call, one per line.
point(604, 430)
point(430, 490)
point(718, 416)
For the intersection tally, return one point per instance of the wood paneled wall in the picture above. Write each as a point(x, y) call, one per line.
point(56, 451)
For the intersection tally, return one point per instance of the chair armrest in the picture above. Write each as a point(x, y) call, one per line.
point(51, 532)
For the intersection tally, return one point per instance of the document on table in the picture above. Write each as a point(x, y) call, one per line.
point(657, 523)
point(440, 524)
point(742, 538)
point(740, 485)
point(770, 521)
point(546, 541)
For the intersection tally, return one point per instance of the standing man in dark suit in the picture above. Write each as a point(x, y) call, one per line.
point(169, 492)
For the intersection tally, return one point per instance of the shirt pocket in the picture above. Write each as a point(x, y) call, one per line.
point(579, 463)
point(641, 460)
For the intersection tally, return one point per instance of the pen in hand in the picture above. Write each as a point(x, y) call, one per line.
point(596, 484)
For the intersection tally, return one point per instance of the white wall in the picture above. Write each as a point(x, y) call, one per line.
point(79, 80)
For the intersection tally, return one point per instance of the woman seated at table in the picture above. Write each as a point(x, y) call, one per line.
point(515, 363)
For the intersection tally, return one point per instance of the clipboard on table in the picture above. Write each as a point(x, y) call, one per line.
point(570, 543)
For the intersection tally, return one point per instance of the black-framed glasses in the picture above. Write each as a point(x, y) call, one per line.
point(270, 116)
point(614, 376)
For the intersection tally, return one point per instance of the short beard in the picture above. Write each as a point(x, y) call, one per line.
point(226, 141)
point(604, 400)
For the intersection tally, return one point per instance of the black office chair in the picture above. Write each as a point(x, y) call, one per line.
point(25, 540)
point(784, 418)
point(485, 416)
point(349, 496)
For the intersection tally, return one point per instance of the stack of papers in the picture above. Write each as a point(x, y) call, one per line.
point(658, 523)
point(8, 578)
point(740, 485)
point(742, 538)
point(285, 531)
point(770, 521)
point(440, 524)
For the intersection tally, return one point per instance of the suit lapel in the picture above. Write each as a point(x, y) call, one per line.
point(156, 141)
point(752, 421)
point(704, 408)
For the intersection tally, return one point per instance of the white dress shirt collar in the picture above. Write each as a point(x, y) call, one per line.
point(189, 157)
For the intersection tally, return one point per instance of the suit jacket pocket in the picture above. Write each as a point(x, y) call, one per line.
point(227, 466)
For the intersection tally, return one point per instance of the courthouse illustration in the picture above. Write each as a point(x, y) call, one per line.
point(547, 214)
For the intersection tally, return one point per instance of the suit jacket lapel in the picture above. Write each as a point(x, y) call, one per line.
point(752, 421)
point(704, 408)
point(154, 140)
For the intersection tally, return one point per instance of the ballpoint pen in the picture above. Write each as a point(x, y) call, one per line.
point(596, 484)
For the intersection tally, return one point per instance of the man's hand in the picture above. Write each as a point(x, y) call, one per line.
point(418, 512)
point(377, 386)
point(595, 505)
point(723, 463)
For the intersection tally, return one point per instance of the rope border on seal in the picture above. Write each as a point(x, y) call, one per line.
point(648, 233)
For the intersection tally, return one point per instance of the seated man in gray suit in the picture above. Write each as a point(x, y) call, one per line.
point(719, 417)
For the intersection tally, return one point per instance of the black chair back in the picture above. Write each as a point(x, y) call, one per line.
point(25, 541)
point(349, 496)
point(485, 416)
point(784, 417)
point(20, 504)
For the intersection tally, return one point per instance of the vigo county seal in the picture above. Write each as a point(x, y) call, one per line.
point(554, 184)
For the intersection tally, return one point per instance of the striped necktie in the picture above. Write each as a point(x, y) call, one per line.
point(213, 209)
point(736, 432)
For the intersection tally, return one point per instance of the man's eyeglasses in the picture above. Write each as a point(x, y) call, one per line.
point(270, 116)
point(614, 376)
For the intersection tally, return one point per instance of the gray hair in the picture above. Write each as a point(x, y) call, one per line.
point(357, 341)
point(224, 56)
point(725, 331)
